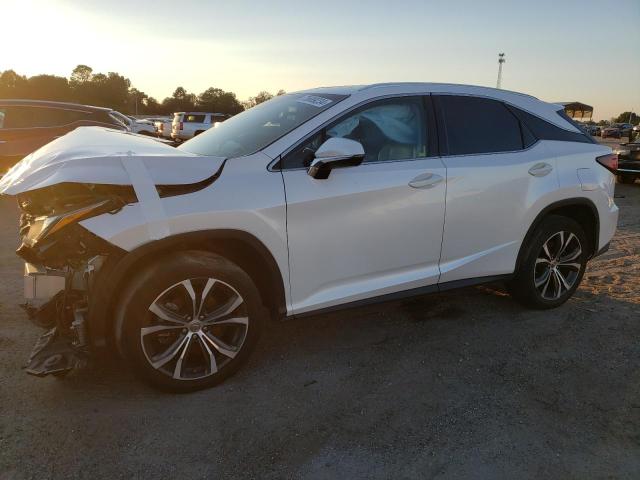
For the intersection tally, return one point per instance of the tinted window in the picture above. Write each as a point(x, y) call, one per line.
point(478, 125)
point(393, 129)
point(30, 117)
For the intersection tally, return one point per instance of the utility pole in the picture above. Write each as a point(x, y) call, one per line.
point(501, 60)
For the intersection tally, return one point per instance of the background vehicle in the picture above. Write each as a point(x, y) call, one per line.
point(163, 127)
point(134, 125)
point(628, 161)
point(624, 128)
point(595, 130)
point(26, 125)
point(187, 125)
point(307, 203)
point(611, 132)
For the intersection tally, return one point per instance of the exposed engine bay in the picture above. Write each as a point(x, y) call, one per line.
point(54, 244)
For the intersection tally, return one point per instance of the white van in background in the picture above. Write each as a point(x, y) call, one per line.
point(187, 125)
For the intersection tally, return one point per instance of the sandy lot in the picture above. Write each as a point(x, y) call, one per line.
point(465, 384)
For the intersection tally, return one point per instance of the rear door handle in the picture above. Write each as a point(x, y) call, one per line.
point(426, 180)
point(540, 169)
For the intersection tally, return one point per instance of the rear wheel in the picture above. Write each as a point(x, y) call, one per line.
point(190, 321)
point(553, 264)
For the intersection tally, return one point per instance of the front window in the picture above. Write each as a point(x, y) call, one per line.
point(389, 130)
point(260, 126)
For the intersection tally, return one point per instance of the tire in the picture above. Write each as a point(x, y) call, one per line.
point(626, 179)
point(171, 349)
point(198, 133)
point(539, 266)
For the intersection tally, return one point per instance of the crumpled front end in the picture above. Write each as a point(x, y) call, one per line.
point(90, 173)
point(61, 261)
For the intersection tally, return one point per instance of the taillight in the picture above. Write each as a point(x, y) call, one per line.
point(610, 161)
point(181, 125)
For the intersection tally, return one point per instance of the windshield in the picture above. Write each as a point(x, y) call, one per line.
point(254, 129)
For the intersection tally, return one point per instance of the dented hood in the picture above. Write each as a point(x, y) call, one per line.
point(105, 156)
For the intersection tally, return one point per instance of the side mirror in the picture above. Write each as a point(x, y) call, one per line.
point(335, 153)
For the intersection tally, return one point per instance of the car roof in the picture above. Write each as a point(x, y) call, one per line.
point(529, 103)
point(49, 104)
point(200, 113)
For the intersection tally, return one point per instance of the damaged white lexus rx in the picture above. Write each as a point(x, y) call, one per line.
point(313, 201)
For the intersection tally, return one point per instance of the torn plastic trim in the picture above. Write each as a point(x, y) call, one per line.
point(70, 246)
point(165, 191)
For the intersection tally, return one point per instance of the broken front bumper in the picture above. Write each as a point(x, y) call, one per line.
point(62, 310)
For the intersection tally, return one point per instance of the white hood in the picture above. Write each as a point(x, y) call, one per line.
point(105, 156)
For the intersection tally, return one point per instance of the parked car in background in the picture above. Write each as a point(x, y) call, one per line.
point(163, 127)
point(187, 125)
point(611, 132)
point(595, 130)
point(134, 125)
point(625, 128)
point(628, 161)
point(26, 125)
point(309, 202)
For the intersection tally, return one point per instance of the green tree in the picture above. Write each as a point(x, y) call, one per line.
point(81, 74)
point(628, 117)
point(261, 97)
point(49, 87)
point(12, 85)
point(180, 101)
point(218, 101)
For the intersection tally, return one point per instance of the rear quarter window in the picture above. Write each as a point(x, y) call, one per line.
point(544, 130)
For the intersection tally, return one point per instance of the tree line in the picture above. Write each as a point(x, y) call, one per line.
point(115, 91)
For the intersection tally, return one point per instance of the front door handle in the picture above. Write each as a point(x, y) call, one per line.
point(540, 169)
point(426, 180)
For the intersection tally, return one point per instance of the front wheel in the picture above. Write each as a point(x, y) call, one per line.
point(553, 264)
point(190, 320)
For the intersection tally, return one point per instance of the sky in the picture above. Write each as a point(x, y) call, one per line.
point(556, 50)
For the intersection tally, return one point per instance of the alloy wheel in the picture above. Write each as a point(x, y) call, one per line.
point(194, 328)
point(558, 265)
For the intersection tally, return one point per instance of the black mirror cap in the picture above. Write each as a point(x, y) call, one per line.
point(320, 169)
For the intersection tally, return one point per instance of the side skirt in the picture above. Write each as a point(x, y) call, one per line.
point(414, 292)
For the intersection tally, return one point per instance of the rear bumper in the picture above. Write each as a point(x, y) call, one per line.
point(626, 167)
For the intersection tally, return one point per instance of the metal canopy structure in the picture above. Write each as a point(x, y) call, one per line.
point(578, 111)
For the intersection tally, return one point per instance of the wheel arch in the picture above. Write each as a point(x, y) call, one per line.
point(580, 209)
point(240, 247)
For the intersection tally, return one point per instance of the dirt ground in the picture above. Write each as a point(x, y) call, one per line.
point(465, 384)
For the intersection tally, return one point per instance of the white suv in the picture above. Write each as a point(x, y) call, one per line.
point(310, 202)
point(187, 125)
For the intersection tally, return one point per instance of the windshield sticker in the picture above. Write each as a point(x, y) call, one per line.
point(315, 101)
